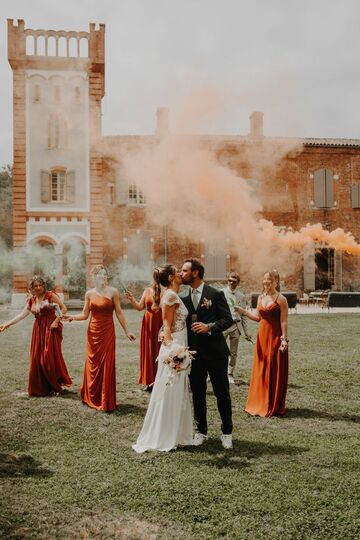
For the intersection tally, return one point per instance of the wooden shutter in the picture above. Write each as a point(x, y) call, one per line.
point(70, 186)
point(45, 186)
point(319, 188)
point(121, 187)
point(355, 196)
point(329, 188)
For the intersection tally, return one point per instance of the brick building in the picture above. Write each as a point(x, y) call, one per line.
point(72, 199)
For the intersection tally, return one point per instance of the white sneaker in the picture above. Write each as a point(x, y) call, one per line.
point(226, 441)
point(231, 378)
point(199, 439)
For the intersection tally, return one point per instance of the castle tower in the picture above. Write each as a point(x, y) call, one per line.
point(58, 85)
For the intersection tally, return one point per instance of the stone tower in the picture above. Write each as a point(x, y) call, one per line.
point(58, 85)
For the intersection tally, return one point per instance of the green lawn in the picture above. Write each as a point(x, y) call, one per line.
point(68, 471)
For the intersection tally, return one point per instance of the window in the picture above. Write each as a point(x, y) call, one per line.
point(111, 194)
point(355, 196)
point(58, 186)
point(139, 250)
point(77, 94)
point(57, 132)
point(37, 93)
point(324, 188)
point(135, 195)
point(215, 262)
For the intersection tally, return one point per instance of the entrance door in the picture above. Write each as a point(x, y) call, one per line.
point(324, 271)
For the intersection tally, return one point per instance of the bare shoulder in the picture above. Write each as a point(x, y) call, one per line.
point(281, 299)
point(113, 291)
point(89, 294)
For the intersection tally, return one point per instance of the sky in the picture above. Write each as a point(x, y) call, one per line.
point(298, 62)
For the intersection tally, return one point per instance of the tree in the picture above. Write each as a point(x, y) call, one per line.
point(6, 205)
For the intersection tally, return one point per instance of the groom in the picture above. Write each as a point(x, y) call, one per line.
point(209, 316)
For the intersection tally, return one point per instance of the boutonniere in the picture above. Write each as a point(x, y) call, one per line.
point(206, 303)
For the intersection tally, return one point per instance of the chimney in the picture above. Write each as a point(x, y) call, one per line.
point(256, 125)
point(162, 121)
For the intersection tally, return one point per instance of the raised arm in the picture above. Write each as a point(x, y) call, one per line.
point(25, 312)
point(252, 316)
point(140, 306)
point(120, 316)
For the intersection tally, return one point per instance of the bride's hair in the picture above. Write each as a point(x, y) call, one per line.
point(161, 277)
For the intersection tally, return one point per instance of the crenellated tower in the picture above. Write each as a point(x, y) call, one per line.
point(58, 85)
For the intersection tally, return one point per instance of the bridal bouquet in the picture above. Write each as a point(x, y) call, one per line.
point(179, 359)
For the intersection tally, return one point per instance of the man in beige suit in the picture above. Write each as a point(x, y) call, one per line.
point(234, 297)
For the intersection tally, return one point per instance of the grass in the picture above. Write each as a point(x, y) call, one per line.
point(68, 471)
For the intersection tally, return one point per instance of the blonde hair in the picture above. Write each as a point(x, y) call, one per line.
point(97, 269)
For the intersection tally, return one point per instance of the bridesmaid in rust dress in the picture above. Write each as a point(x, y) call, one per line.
point(149, 340)
point(99, 384)
point(48, 373)
point(269, 377)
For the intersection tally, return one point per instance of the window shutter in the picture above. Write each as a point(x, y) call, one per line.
point(70, 186)
point(122, 187)
point(45, 186)
point(319, 188)
point(329, 188)
point(355, 196)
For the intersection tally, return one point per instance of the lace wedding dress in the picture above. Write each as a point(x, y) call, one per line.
point(168, 420)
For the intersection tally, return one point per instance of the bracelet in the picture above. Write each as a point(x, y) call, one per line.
point(283, 338)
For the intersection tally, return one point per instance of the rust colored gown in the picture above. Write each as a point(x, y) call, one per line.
point(269, 377)
point(149, 343)
point(99, 385)
point(48, 373)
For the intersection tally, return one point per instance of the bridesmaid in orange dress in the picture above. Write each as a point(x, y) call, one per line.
point(149, 340)
point(99, 384)
point(269, 377)
point(48, 373)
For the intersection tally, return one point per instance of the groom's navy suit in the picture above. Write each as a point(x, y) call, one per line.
point(211, 355)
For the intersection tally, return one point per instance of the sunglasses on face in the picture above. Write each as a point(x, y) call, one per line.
point(232, 281)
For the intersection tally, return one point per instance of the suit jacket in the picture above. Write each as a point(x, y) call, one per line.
point(214, 311)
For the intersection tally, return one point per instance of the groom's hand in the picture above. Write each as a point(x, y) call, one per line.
point(200, 328)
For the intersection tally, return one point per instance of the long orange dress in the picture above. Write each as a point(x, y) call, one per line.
point(269, 377)
point(48, 373)
point(99, 385)
point(149, 343)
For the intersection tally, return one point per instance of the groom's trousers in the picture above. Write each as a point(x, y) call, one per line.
point(217, 370)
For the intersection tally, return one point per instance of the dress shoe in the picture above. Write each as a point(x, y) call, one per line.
point(226, 441)
point(199, 439)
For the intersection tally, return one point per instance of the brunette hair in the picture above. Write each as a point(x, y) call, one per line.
point(36, 279)
point(161, 276)
point(234, 275)
point(196, 265)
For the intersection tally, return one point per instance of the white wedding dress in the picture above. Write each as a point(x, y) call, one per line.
point(168, 420)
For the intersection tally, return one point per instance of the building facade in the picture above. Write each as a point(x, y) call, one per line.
point(73, 206)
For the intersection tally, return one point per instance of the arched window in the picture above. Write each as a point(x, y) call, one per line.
point(324, 188)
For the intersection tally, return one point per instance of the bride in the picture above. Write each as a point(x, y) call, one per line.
point(168, 420)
